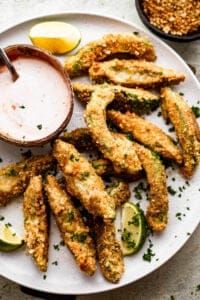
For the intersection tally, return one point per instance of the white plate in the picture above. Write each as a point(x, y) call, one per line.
point(65, 278)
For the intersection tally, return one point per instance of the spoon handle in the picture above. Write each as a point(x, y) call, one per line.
point(9, 65)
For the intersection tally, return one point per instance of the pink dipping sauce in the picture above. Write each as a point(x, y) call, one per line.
point(36, 104)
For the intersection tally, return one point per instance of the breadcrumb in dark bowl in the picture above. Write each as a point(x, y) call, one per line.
point(177, 21)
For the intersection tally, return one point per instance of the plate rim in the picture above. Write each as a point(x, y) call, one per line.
point(180, 59)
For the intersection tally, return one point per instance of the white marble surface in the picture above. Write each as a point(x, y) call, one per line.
point(178, 278)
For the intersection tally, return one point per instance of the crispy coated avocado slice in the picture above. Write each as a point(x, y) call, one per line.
point(82, 182)
point(109, 252)
point(110, 44)
point(157, 211)
point(133, 73)
point(119, 150)
point(36, 223)
point(146, 133)
point(136, 100)
point(82, 140)
point(70, 223)
point(15, 177)
point(176, 109)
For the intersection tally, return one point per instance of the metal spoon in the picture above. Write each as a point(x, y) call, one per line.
point(11, 68)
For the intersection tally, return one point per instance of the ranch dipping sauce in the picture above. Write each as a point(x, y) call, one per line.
point(36, 104)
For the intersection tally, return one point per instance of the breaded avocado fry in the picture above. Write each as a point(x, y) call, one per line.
point(110, 44)
point(73, 230)
point(176, 109)
point(36, 227)
point(157, 211)
point(82, 181)
point(119, 191)
point(120, 151)
point(137, 100)
point(146, 133)
point(133, 73)
point(82, 140)
point(108, 251)
point(15, 177)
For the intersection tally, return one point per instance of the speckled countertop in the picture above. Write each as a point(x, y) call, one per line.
point(179, 278)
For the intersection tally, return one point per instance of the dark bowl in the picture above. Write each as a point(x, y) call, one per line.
point(176, 38)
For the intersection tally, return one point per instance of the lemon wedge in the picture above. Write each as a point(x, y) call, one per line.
point(9, 240)
point(133, 228)
point(56, 37)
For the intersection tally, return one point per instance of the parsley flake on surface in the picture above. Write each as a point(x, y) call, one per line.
point(196, 111)
point(62, 243)
point(39, 126)
point(11, 172)
point(148, 255)
point(79, 237)
point(84, 175)
point(171, 190)
point(56, 247)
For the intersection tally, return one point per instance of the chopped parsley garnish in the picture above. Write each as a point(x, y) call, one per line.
point(77, 66)
point(22, 106)
point(196, 111)
point(135, 220)
point(39, 126)
point(138, 190)
point(70, 216)
point(73, 158)
point(62, 243)
point(84, 175)
point(55, 263)
point(179, 215)
point(159, 114)
point(79, 237)
point(129, 136)
point(126, 237)
point(8, 225)
point(2, 218)
point(171, 129)
point(171, 190)
point(44, 276)
point(11, 172)
point(96, 165)
point(148, 255)
point(56, 247)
